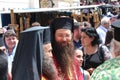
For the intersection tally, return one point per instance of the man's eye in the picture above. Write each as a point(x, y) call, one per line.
point(67, 35)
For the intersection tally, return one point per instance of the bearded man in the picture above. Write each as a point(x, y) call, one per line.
point(62, 45)
point(49, 71)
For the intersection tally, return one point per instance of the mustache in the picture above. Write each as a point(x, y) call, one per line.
point(63, 42)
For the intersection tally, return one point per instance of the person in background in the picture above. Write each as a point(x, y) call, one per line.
point(49, 71)
point(35, 24)
point(110, 70)
point(102, 29)
point(77, 32)
point(10, 41)
point(2, 46)
point(63, 49)
point(79, 56)
point(3, 66)
point(76, 35)
point(94, 53)
point(47, 48)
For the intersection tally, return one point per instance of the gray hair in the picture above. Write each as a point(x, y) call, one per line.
point(105, 20)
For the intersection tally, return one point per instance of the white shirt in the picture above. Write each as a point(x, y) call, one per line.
point(11, 57)
point(102, 33)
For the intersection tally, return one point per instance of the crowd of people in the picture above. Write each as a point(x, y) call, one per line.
point(66, 50)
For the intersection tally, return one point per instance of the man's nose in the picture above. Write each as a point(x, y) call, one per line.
point(50, 54)
point(64, 39)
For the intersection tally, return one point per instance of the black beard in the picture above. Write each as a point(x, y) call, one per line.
point(63, 55)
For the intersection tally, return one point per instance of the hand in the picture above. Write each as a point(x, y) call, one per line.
point(90, 70)
point(3, 48)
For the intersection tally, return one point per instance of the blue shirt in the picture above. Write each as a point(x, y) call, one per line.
point(77, 44)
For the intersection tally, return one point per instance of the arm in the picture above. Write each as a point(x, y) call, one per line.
point(87, 75)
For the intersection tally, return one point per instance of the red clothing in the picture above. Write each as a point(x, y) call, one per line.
point(76, 73)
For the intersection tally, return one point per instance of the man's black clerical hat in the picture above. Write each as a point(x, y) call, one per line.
point(62, 23)
point(116, 26)
point(27, 64)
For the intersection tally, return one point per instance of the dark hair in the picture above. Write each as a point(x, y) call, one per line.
point(3, 66)
point(9, 33)
point(91, 32)
point(87, 24)
point(10, 27)
point(35, 24)
point(109, 36)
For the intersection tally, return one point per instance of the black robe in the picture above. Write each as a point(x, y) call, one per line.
point(27, 64)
